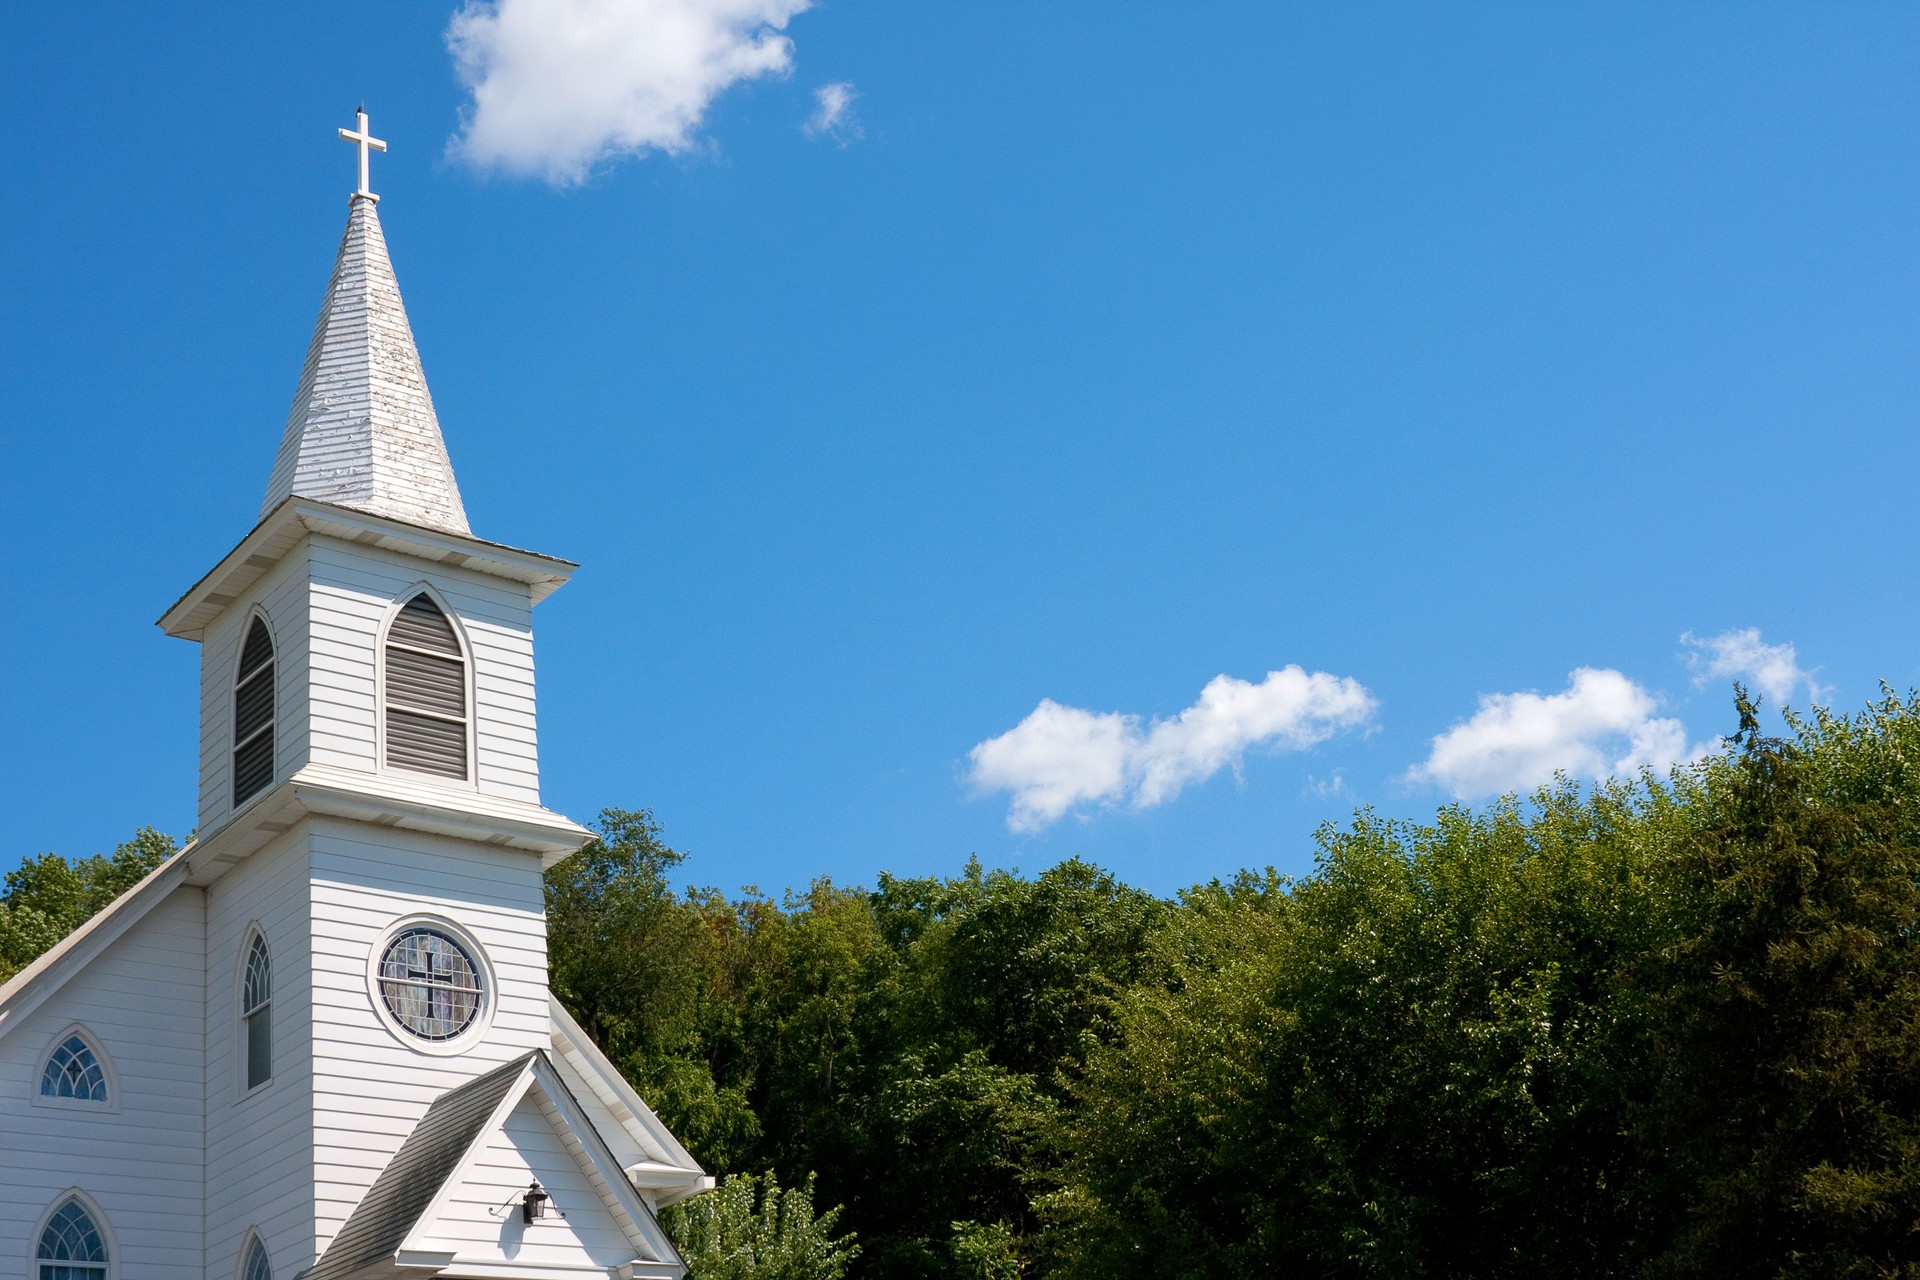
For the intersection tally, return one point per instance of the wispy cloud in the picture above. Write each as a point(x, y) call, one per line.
point(1329, 788)
point(833, 115)
point(1602, 725)
point(1063, 759)
point(1773, 669)
point(559, 86)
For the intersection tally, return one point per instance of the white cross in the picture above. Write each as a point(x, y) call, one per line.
point(365, 141)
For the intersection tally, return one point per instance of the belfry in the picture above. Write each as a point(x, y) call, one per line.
point(318, 1042)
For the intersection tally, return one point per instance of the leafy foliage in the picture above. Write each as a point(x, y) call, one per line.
point(1660, 1029)
point(47, 897)
point(1789, 1010)
point(749, 1228)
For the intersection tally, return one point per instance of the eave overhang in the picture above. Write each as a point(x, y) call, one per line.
point(384, 801)
point(296, 518)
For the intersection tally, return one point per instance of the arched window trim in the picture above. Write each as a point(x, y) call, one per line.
point(248, 1245)
point(461, 639)
point(100, 1224)
point(100, 1056)
point(244, 1014)
point(270, 730)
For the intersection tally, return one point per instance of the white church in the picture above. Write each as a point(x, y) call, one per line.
point(318, 1042)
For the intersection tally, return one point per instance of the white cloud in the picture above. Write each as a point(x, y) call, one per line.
point(1330, 788)
point(833, 115)
point(561, 85)
point(1602, 725)
point(1061, 759)
point(1772, 669)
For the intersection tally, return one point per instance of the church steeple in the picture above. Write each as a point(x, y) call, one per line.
point(362, 432)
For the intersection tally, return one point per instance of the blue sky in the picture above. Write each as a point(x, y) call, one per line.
point(1092, 353)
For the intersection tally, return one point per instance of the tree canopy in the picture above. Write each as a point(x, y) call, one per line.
point(1660, 1028)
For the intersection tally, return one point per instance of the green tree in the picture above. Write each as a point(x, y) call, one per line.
point(750, 1228)
point(1416, 1061)
point(985, 1251)
point(48, 896)
point(645, 971)
point(1789, 1014)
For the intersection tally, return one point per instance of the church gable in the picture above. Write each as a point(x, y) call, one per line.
point(451, 1200)
point(481, 1219)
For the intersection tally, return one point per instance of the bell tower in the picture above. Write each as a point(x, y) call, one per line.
point(371, 836)
point(360, 636)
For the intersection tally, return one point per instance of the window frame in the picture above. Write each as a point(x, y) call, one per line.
point(250, 1242)
point(469, 688)
point(270, 730)
point(107, 1072)
point(483, 968)
point(95, 1214)
point(243, 1015)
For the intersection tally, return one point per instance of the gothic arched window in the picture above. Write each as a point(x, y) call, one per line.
point(256, 1012)
point(426, 691)
point(71, 1246)
point(253, 715)
point(73, 1070)
point(256, 1267)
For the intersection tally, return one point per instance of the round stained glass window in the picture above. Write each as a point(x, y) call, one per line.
point(430, 984)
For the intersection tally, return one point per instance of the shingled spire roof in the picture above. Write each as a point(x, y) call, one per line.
point(362, 432)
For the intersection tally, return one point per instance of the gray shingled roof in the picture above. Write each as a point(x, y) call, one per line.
point(380, 1223)
point(362, 432)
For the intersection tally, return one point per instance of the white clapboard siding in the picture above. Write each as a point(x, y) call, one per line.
point(139, 1160)
point(527, 1147)
point(260, 1147)
point(355, 589)
point(365, 880)
point(281, 595)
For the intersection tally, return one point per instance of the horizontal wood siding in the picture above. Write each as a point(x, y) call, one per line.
point(260, 1147)
point(141, 1159)
point(354, 590)
point(526, 1148)
point(282, 595)
point(365, 880)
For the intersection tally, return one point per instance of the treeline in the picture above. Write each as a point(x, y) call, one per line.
point(1668, 1028)
point(1661, 1029)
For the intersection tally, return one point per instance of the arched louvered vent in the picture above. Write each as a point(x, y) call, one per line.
point(253, 715)
point(426, 692)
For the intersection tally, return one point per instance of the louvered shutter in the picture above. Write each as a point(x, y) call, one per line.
point(253, 715)
point(426, 692)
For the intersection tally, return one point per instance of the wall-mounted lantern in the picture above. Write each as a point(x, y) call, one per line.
point(533, 1205)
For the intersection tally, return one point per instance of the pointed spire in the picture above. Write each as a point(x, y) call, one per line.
point(362, 432)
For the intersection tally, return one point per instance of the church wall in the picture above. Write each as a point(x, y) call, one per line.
point(259, 1146)
point(139, 1159)
point(367, 879)
point(281, 595)
point(355, 589)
